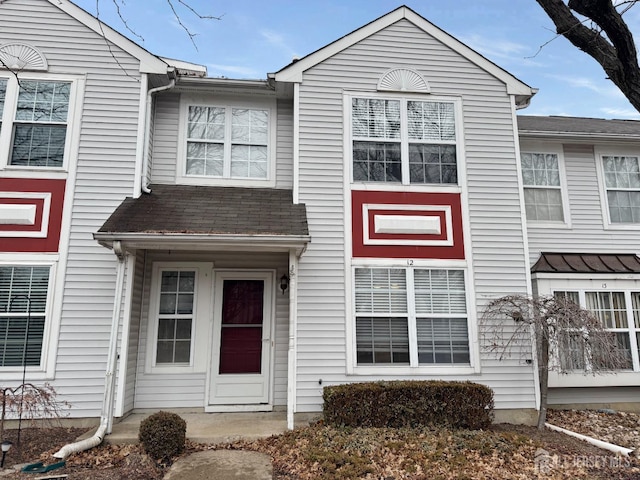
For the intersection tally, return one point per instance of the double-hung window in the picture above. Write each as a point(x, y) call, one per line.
point(228, 142)
point(34, 116)
point(542, 187)
point(404, 141)
point(175, 317)
point(622, 185)
point(411, 317)
point(618, 312)
point(23, 309)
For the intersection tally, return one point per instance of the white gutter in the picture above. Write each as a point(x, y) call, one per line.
point(593, 441)
point(106, 415)
point(144, 179)
point(293, 326)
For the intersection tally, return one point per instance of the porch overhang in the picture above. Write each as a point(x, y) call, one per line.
point(184, 217)
point(204, 242)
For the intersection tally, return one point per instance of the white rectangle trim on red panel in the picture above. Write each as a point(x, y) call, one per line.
point(407, 224)
point(25, 214)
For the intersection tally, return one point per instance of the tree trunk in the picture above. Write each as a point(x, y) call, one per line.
point(543, 377)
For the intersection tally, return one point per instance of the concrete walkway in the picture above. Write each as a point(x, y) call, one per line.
point(222, 465)
point(214, 427)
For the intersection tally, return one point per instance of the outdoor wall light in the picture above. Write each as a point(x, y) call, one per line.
point(6, 446)
point(284, 283)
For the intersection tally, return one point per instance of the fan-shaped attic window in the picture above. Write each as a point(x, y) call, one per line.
point(20, 56)
point(403, 80)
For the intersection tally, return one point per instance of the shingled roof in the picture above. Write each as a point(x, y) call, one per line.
point(182, 209)
point(586, 263)
point(578, 126)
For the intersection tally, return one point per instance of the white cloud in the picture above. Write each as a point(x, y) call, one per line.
point(621, 113)
point(278, 41)
point(502, 50)
point(604, 87)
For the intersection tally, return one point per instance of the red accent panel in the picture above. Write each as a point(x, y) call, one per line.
point(30, 244)
point(397, 200)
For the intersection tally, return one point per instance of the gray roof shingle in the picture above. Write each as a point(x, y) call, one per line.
point(578, 126)
point(210, 210)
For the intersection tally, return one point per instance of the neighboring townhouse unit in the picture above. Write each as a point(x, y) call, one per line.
point(581, 179)
point(169, 240)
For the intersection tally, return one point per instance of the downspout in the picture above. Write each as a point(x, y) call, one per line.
point(293, 326)
point(106, 415)
point(144, 181)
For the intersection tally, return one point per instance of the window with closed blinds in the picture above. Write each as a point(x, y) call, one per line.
point(542, 186)
point(23, 306)
point(3, 94)
point(435, 309)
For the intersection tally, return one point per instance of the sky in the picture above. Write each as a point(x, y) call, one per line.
point(254, 37)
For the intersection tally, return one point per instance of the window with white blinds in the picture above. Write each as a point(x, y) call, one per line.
point(23, 306)
point(430, 303)
point(404, 141)
point(542, 187)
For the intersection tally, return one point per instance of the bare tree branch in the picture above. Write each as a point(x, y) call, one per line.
point(567, 338)
point(609, 40)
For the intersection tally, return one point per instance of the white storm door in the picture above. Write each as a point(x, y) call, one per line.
point(240, 367)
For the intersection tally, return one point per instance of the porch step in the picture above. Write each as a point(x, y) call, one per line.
point(222, 465)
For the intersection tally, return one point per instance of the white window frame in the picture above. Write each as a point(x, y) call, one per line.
point(268, 104)
point(404, 138)
point(600, 153)
point(414, 368)
point(15, 372)
point(550, 283)
point(200, 327)
point(8, 119)
point(557, 150)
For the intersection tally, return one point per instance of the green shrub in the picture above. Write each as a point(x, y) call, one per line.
point(409, 404)
point(162, 435)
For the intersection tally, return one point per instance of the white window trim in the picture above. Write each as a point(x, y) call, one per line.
point(187, 101)
point(202, 318)
point(8, 117)
point(548, 283)
point(49, 343)
point(404, 140)
point(601, 152)
point(556, 149)
point(431, 369)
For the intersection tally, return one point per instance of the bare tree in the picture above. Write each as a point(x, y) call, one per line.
point(599, 30)
point(566, 337)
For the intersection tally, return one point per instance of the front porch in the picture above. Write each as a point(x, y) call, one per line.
point(214, 428)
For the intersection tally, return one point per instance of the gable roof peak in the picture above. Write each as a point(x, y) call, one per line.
point(294, 71)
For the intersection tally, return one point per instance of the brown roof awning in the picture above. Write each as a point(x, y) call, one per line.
point(184, 213)
point(587, 263)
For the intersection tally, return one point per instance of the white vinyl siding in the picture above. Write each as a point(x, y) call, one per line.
point(586, 208)
point(542, 187)
point(23, 313)
point(102, 136)
point(490, 168)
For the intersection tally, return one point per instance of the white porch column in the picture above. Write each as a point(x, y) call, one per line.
point(293, 317)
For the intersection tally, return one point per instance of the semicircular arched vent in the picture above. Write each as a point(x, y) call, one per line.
point(403, 80)
point(19, 56)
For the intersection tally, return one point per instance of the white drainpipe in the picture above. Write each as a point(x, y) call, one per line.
point(144, 185)
point(293, 325)
point(106, 415)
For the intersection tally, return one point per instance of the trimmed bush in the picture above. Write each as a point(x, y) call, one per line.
point(162, 435)
point(409, 404)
